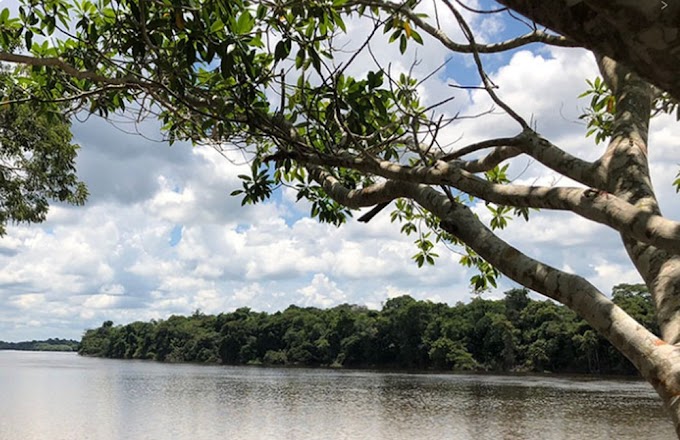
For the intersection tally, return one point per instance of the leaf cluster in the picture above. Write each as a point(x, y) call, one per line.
point(37, 164)
point(599, 116)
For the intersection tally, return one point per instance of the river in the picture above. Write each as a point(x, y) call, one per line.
point(62, 396)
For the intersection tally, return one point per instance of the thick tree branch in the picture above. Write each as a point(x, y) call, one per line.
point(645, 350)
point(550, 155)
point(378, 193)
point(488, 162)
point(531, 143)
point(595, 205)
point(472, 148)
point(626, 162)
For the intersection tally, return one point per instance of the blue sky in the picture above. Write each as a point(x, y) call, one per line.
point(160, 234)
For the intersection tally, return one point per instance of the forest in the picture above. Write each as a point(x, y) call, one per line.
point(52, 344)
point(514, 334)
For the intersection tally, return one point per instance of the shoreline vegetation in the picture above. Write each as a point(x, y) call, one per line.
point(514, 334)
point(52, 344)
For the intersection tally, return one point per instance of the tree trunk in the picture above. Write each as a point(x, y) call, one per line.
point(626, 163)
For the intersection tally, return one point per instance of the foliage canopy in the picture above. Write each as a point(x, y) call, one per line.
point(514, 334)
point(37, 164)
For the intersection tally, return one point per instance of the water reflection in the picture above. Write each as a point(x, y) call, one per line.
point(63, 396)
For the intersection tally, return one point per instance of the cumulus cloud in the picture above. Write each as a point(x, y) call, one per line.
point(321, 292)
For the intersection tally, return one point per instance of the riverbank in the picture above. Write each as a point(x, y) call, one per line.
point(516, 334)
point(52, 344)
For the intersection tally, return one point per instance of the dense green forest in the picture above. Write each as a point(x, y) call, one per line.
point(516, 333)
point(52, 344)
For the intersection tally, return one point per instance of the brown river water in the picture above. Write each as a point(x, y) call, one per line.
point(55, 396)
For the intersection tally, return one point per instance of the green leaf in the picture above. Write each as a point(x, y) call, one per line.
point(416, 37)
point(282, 50)
point(402, 44)
point(316, 61)
point(337, 19)
point(217, 26)
point(244, 24)
point(28, 37)
point(227, 65)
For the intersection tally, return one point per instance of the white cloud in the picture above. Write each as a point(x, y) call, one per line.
point(322, 292)
point(393, 292)
point(27, 301)
point(209, 301)
point(102, 301)
point(246, 294)
point(611, 274)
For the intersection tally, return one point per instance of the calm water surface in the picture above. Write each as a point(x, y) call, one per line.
point(54, 396)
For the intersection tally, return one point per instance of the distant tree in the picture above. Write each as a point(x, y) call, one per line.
point(636, 300)
point(515, 302)
point(51, 344)
point(588, 343)
point(406, 333)
point(447, 354)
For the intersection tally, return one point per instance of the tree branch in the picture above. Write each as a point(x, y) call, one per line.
point(488, 86)
point(626, 162)
point(489, 143)
point(379, 193)
point(57, 63)
point(588, 173)
point(488, 162)
point(595, 205)
point(537, 36)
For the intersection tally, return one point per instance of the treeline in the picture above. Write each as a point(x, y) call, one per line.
point(513, 334)
point(52, 344)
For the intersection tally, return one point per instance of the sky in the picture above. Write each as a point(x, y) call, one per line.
point(160, 234)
